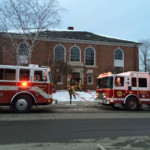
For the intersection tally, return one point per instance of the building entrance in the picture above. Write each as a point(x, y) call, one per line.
point(77, 81)
point(76, 77)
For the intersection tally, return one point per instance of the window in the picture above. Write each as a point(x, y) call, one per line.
point(142, 82)
point(134, 83)
point(7, 74)
point(59, 80)
point(23, 53)
point(0, 54)
point(118, 54)
point(118, 70)
point(106, 82)
point(24, 75)
point(40, 76)
point(75, 76)
point(23, 49)
point(119, 81)
point(89, 56)
point(59, 53)
point(90, 79)
point(75, 54)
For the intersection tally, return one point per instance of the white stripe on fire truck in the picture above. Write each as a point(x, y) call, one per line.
point(116, 99)
point(6, 88)
point(144, 99)
point(35, 89)
point(39, 90)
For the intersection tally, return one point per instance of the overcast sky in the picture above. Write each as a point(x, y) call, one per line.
point(125, 19)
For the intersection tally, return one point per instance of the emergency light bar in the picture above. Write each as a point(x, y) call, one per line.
point(105, 74)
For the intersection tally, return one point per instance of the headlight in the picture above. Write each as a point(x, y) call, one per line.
point(104, 95)
point(96, 95)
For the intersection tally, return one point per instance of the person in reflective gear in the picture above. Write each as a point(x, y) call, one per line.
point(72, 91)
point(68, 86)
point(80, 85)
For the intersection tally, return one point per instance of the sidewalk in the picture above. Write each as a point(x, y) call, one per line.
point(75, 107)
point(75, 104)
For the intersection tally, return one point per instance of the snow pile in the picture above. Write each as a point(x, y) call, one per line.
point(63, 95)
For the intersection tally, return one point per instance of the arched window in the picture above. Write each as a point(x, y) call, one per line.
point(89, 56)
point(75, 54)
point(118, 54)
point(118, 60)
point(59, 53)
point(23, 54)
point(23, 49)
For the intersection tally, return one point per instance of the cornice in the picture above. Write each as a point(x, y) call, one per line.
point(65, 40)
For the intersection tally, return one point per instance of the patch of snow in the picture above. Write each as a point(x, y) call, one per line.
point(63, 95)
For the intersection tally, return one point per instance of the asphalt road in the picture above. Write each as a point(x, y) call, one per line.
point(75, 127)
point(66, 130)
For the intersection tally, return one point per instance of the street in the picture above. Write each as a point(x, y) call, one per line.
point(75, 127)
point(67, 130)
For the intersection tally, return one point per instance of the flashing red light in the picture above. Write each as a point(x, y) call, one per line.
point(24, 83)
point(130, 92)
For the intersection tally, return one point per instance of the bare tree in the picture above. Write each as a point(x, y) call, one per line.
point(27, 18)
point(144, 54)
point(59, 69)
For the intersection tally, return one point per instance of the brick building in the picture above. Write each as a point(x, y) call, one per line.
point(87, 54)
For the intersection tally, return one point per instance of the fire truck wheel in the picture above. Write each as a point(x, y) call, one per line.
point(132, 104)
point(22, 104)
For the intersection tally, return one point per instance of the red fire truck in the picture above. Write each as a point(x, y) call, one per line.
point(129, 89)
point(21, 87)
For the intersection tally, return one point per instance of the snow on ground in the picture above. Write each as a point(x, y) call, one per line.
point(63, 95)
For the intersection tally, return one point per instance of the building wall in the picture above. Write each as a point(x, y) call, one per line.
point(43, 54)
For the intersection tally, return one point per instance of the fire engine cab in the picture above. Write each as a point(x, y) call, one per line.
point(130, 89)
point(21, 87)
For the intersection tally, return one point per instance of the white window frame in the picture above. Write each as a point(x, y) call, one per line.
point(61, 82)
point(64, 52)
point(119, 62)
point(79, 54)
point(23, 59)
point(88, 79)
point(94, 57)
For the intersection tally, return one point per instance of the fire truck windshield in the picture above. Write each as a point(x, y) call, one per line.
point(106, 82)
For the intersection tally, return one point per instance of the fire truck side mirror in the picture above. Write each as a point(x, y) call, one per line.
point(129, 88)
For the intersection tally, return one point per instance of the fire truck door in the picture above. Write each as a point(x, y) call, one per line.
point(40, 84)
point(119, 83)
point(7, 84)
point(134, 83)
point(24, 81)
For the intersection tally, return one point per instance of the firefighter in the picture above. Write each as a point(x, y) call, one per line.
point(80, 85)
point(76, 86)
point(72, 91)
point(68, 86)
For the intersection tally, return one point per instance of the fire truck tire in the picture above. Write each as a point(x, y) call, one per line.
point(132, 104)
point(22, 104)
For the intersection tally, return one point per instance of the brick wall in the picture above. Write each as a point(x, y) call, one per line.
point(43, 54)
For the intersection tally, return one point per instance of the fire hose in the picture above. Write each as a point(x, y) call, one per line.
point(83, 98)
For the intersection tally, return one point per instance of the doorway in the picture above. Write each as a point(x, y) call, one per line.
point(76, 76)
